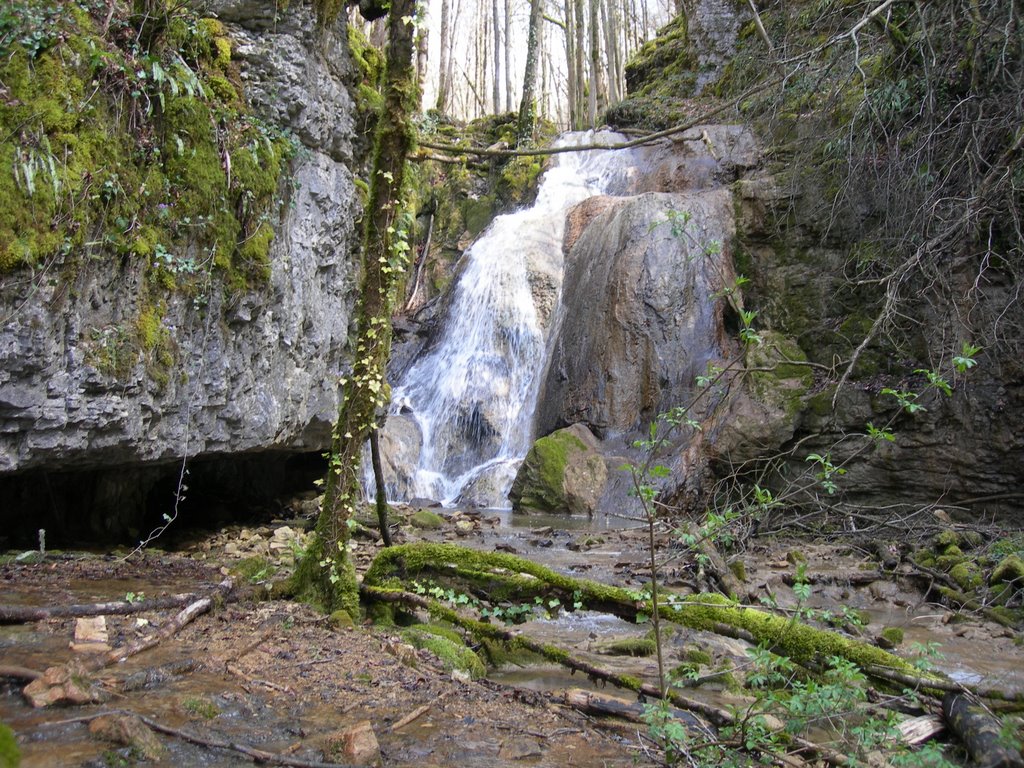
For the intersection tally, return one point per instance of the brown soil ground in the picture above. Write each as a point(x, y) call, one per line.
point(276, 676)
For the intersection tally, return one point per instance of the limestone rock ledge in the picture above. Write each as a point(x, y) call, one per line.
point(241, 372)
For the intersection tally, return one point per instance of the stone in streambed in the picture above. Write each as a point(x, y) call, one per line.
point(128, 731)
point(356, 745)
point(563, 472)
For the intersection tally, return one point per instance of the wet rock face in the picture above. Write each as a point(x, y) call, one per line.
point(563, 472)
point(638, 325)
point(251, 369)
point(713, 28)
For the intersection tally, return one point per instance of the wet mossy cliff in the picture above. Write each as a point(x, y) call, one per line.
point(879, 232)
point(177, 211)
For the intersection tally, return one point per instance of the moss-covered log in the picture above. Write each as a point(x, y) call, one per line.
point(801, 643)
point(484, 631)
point(325, 575)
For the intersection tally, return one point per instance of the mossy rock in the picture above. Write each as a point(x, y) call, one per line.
point(341, 620)
point(440, 630)
point(890, 637)
point(967, 575)
point(698, 656)
point(658, 77)
point(796, 557)
point(563, 472)
point(630, 646)
point(452, 655)
point(1009, 571)
point(942, 541)
point(426, 520)
point(924, 558)
point(253, 569)
point(948, 562)
point(10, 754)
point(134, 167)
point(971, 540)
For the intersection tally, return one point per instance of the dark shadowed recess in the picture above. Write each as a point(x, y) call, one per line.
point(121, 505)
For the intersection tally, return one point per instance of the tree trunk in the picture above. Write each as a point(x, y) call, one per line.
point(613, 50)
point(596, 98)
point(580, 68)
point(508, 55)
point(571, 83)
point(444, 75)
point(528, 106)
point(422, 58)
point(496, 25)
point(381, 499)
point(325, 574)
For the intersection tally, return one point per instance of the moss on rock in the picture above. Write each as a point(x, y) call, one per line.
point(630, 646)
point(563, 472)
point(424, 518)
point(1009, 571)
point(658, 78)
point(453, 654)
point(158, 159)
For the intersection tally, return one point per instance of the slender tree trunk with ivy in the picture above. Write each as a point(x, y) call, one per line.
point(325, 575)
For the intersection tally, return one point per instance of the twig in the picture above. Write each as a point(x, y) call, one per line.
point(169, 629)
point(414, 715)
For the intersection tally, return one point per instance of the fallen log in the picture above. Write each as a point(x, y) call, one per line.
point(69, 683)
point(785, 636)
point(979, 731)
point(594, 703)
point(22, 614)
point(931, 683)
point(917, 730)
point(850, 578)
point(481, 630)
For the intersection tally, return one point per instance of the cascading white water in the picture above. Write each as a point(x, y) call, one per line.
point(472, 394)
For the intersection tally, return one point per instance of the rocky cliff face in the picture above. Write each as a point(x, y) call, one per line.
point(820, 244)
point(239, 371)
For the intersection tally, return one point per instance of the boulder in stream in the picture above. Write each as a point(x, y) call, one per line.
point(563, 472)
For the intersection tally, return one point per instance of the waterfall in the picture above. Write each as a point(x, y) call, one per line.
point(472, 393)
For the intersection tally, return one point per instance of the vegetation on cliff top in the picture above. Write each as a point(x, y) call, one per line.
point(126, 133)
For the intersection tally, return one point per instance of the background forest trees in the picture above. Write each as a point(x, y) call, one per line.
point(472, 54)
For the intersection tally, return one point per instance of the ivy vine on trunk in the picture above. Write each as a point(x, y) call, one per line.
point(325, 575)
